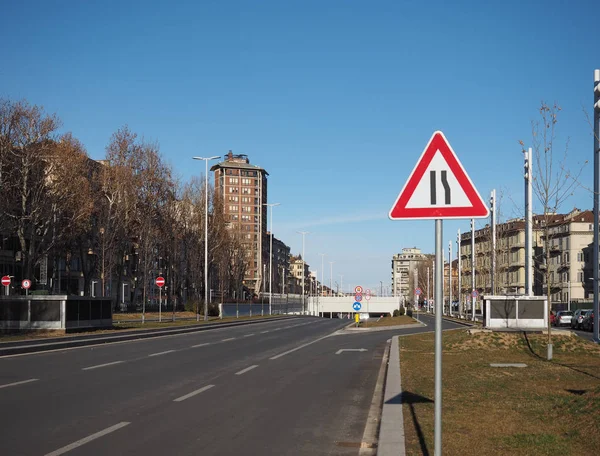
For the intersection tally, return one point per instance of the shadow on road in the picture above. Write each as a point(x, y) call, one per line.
point(406, 397)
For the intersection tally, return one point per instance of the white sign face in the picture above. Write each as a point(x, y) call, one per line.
point(438, 186)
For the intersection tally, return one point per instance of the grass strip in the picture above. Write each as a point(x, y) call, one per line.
point(547, 408)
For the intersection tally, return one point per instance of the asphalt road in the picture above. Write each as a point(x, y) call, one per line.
point(279, 387)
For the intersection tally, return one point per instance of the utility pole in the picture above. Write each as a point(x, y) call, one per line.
point(271, 205)
point(303, 233)
point(596, 200)
point(528, 225)
point(331, 278)
point(458, 256)
point(450, 278)
point(493, 228)
point(416, 282)
point(473, 298)
point(428, 295)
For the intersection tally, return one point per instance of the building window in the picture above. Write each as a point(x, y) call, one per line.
point(580, 276)
point(579, 256)
point(246, 191)
point(234, 198)
point(233, 190)
point(233, 180)
point(233, 208)
point(246, 208)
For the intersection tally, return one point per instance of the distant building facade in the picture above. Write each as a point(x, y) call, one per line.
point(403, 266)
point(243, 187)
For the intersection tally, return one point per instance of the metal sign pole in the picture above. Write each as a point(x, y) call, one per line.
point(439, 302)
point(159, 303)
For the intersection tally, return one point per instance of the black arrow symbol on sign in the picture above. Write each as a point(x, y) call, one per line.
point(432, 187)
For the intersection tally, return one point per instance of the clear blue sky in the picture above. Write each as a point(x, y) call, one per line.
point(335, 98)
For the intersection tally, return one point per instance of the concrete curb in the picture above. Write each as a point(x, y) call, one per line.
point(391, 434)
point(34, 346)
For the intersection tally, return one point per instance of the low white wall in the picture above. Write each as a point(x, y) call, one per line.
point(376, 305)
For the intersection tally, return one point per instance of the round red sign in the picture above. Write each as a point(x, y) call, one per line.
point(160, 281)
point(6, 281)
point(26, 284)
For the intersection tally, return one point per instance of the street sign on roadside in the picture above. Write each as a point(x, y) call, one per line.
point(356, 306)
point(358, 289)
point(418, 291)
point(475, 293)
point(358, 297)
point(160, 282)
point(26, 284)
point(6, 281)
point(438, 187)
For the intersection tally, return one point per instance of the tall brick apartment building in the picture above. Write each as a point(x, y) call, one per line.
point(244, 190)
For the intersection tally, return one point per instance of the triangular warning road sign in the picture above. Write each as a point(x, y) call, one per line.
point(438, 187)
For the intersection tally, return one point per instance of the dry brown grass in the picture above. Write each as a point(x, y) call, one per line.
point(547, 408)
point(387, 321)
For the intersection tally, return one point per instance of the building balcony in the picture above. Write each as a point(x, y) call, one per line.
point(554, 249)
point(564, 265)
point(517, 245)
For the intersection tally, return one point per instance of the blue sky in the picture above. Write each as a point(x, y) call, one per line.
point(335, 98)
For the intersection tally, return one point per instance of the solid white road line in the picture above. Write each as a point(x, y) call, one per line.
point(102, 365)
point(19, 383)
point(161, 353)
point(227, 340)
point(88, 439)
point(243, 371)
point(201, 345)
point(193, 393)
point(301, 346)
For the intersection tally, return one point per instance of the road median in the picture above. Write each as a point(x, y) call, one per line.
point(500, 395)
point(38, 344)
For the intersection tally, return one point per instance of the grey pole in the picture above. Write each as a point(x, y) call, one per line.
point(450, 278)
point(428, 296)
point(596, 199)
point(206, 160)
point(528, 225)
point(459, 275)
point(303, 233)
point(331, 278)
point(271, 205)
point(493, 223)
point(322, 277)
point(473, 267)
point(439, 308)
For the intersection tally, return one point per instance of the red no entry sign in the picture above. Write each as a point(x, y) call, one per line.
point(160, 282)
point(6, 281)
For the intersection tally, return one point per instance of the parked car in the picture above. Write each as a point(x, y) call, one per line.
point(588, 321)
point(563, 318)
point(577, 319)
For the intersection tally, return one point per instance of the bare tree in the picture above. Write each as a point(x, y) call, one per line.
point(553, 183)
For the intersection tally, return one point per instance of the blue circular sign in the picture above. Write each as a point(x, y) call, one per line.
point(356, 306)
point(358, 297)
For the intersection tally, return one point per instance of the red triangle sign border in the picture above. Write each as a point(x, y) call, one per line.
point(477, 209)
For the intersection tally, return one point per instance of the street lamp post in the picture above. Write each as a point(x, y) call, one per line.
point(331, 277)
point(303, 233)
point(206, 160)
point(271, 205)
